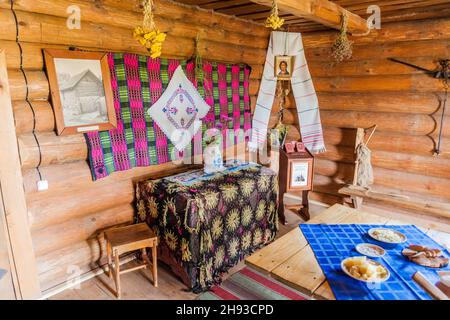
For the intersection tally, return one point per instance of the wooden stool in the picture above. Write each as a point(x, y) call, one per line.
point(125, 239)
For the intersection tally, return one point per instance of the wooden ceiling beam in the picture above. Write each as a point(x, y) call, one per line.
point(321, 11)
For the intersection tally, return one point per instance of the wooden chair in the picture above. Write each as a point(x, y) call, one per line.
point(126, 239)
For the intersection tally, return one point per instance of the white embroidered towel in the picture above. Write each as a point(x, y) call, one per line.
point(288, 43)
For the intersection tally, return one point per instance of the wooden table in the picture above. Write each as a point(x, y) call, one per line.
point(291, 260)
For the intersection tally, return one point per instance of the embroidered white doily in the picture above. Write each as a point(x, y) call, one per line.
point(179, 109)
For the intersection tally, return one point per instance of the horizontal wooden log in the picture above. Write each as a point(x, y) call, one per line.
point(401, 182)
point(38, 88)
point(33, 57)
point(67, 187)
point(414, 48)
point(177, 11)
point(54, 208)
point(39, 28)
point(43, 119)
point(73, 231)
point(393, 83)
point(413, 124)
point(323, 11)
point(411, 182)
point(64, 178)
point(104, 14)
point(427, 166)
point(54, 149)
point(337, 153)
point(374, 67)
point(419, 145)
point(383, 141)
point(12, 52)
point(389, 102)
point(392, 32)
point(341, 172)
point(399, 123)
point(64, 264)
point(431, 208)
point(8, 29)
point(398, 102)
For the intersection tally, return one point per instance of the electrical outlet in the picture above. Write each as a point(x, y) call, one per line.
point(42, 185)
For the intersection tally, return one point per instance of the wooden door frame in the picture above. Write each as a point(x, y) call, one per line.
point(15, 213)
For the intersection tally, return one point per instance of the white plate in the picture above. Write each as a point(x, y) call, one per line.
point(371, 233)
point(362, 247)
point(370, 261)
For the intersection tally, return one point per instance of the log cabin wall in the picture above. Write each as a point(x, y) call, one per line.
point(403, 102)
point(65, 220)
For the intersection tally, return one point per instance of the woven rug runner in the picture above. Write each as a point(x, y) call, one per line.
point(248, 284)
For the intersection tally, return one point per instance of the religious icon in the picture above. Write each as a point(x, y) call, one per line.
point(283, 67)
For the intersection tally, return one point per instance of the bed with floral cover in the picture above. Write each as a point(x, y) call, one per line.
point(207, 223)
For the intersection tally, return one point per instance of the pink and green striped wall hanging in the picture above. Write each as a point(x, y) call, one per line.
point(137, 83)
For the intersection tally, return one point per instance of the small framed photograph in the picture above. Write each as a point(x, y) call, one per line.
point(300, 171)
point(283, 67)
point(299, 174)
point(80, 86)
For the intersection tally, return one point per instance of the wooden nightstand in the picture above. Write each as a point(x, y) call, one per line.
point(295, 176)
point(126, 239)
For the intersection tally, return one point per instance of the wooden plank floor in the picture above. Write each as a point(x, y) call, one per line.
point(138, 285)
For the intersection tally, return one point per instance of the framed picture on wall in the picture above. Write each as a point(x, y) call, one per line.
point(283, 67)
point(80, 87)
point(300, 167)
point(299, 174)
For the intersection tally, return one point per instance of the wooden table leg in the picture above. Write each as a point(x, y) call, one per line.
point(281, 215)
point(117, 273)
point(304, 211)
point(155, 265)
point(108, 253)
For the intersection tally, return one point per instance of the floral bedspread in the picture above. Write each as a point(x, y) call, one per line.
point(212, 222)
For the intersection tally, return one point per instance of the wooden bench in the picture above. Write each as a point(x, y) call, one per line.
point(357, 194)
point(433, 208)
point(126, 239)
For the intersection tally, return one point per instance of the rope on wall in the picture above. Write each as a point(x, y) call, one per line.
point(27, 91)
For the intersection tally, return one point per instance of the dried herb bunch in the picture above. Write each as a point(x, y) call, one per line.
point(281, 93)
point(342, 47)
point(274, 21)
point(148, 34)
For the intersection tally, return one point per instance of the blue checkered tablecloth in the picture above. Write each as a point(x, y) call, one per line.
point(333, 243)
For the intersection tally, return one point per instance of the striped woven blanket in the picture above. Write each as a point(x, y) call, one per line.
point(138, 82)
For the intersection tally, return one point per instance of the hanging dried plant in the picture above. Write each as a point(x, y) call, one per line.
point(147, 34)
point(342, 47)
point(282, 91)
point(274, 21)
